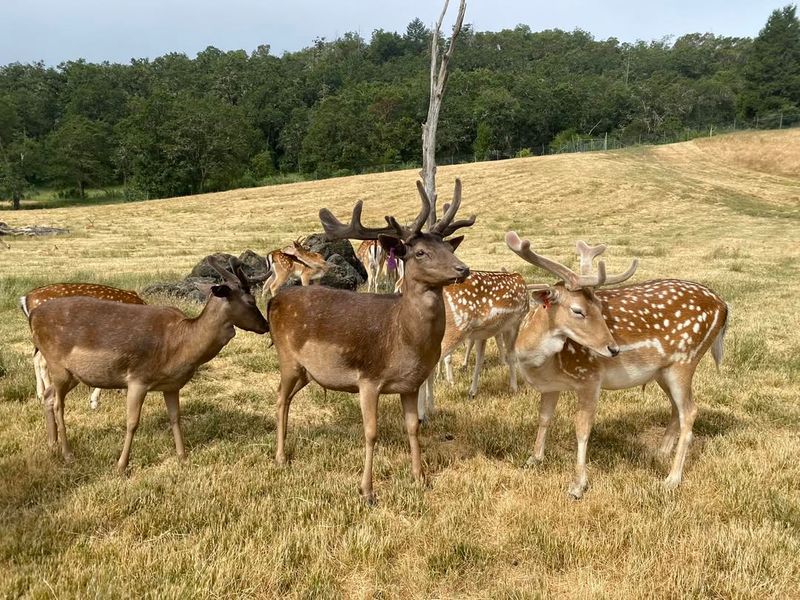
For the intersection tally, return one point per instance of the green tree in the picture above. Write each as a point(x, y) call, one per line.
point(79, 153)
point(772, 74)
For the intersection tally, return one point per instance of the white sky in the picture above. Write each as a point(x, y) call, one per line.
point(118, 30)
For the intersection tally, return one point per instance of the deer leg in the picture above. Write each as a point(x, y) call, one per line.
point(409, 402)
point(584, 419)
point(674, 426)
point(501, 347)
point(291, 383)
point(134, 401)
point(680, 386)
point(266, 291)
point(448, 368)
point(172, 402)
point(547, 406)
point(94, 399)
point(40, 371)
point(480, 347)
point(508, 341)
point(425, 406)
point(467, 352)
point(277, 283)
point(49, 418)
point(368, 399)
point(60, 387)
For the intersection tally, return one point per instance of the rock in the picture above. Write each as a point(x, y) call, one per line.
point(203, 269)
point(186, 289)
point(317, 242)
point(31, 230)
point(341, 275)
point(254, 266)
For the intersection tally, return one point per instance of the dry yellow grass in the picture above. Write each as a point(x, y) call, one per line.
point(723, 211)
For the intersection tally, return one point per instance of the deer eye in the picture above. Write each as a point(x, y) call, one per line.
point(420, 253)
point(578, 312)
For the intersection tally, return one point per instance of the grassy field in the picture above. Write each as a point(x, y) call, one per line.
point(229, 524)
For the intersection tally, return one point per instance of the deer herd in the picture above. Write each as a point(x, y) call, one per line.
point(581, 332)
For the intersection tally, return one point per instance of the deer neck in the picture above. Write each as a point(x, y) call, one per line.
point(206, 334)
point(539, 340)
point(422, 316)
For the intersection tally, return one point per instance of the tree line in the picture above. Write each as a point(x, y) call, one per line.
point(177, 125)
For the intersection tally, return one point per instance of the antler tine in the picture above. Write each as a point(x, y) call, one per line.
point(522, 248)
point(424, 211)
point(612, 279)
point(226, 274)
point(445, 226)
point(587, 254)
point(336, 230)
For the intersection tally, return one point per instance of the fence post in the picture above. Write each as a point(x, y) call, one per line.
point(780, 123)
point(605, 142)
point(710, 131)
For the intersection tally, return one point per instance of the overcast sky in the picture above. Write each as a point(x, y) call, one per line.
point(118, 30)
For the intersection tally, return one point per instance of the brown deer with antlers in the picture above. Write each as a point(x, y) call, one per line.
point(487, 304)
point(40, 295)
point(294, 260)
point(585, 339)
point(371, 344)
point(143, 348)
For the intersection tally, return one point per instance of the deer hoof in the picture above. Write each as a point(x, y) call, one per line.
point(280, 460)
point(534, 462)
point(69, 458)
point(576, 491)
point(369, 499)
point(672, 482)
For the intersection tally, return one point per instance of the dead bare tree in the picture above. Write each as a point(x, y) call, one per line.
point(439, 75)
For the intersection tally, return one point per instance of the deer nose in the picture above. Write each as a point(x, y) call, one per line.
point(462, 270)
point(614, 350)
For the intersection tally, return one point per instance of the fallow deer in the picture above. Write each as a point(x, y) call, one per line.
point(40, 295)
point(377, 263)
point(487, 304)
point(143, 348)
point(372, 256)
point(293, 260)
point(371, 344)
point(585, 339)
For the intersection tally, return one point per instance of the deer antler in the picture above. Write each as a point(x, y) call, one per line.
point(587, 254)
point(612, 279)
point(407, 233)
point(336, 230)
point(233, 275)
point(445, 226)
point(572, 280)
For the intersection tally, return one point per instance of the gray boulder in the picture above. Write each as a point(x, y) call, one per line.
point(317, 242)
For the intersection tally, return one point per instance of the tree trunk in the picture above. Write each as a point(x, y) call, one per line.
point(81, 192)
point(438, 80)
point(16, 197)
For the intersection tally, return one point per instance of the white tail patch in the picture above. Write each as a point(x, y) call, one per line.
point(23, 304)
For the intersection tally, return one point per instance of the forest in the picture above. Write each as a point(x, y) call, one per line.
point(177, 125)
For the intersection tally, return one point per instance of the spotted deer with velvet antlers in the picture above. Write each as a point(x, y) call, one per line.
point(583, 339)
point(487, 304)
point(371, 344)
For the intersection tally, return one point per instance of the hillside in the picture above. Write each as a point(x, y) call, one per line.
point(723, 211)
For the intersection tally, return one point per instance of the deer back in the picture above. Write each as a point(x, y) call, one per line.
point(656, 324)
point(40, 295)
point(486, 304)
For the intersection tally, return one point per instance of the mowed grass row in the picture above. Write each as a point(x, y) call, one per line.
point(229, 523)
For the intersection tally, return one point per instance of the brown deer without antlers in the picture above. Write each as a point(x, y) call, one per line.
point(377, 262)
point(143, 348)
point(487, 304)
point(657, 330)
point(40, 295)
point(293, 260)
point(371, 344)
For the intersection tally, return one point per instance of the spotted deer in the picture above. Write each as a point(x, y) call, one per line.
point(294, 260)
point(581, 338)
point(142, 348)
point(371, 344)
point(372, 256)
point(40, 295)
point(487, 304)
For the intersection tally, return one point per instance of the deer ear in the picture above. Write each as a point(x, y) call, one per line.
point(454, 242)
point(545, 296)
point(389, 242)
point(221, 291)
